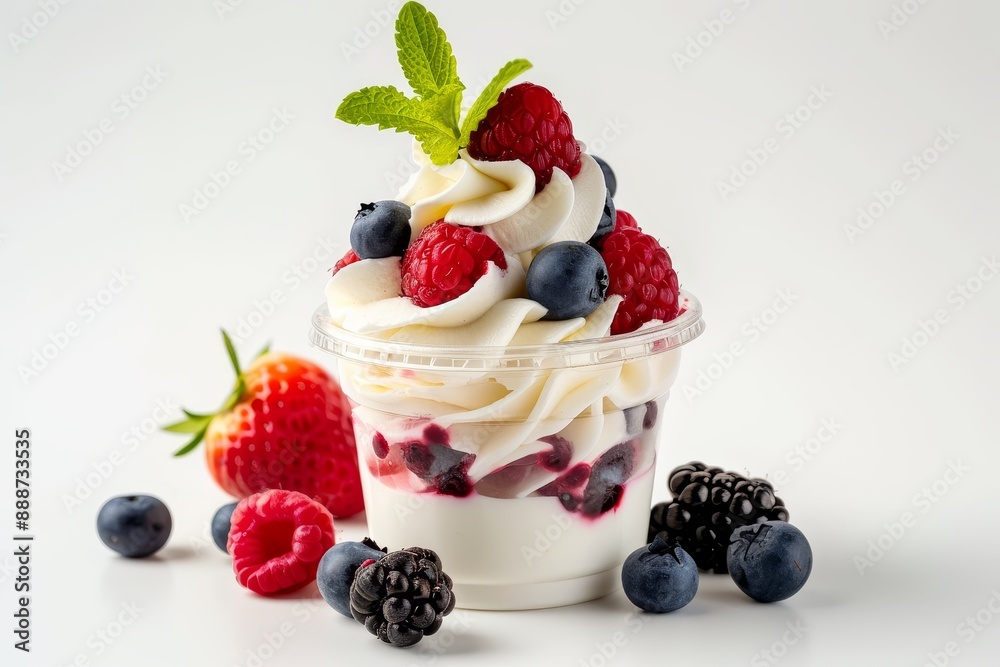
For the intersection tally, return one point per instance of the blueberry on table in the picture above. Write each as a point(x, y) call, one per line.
point(337, 568)
point(381, 229)
point(221, 523)
point(660, 577)
point(569, 278)
point(769, 561)
point(134, 526)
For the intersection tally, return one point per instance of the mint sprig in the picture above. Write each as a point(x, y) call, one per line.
point(424, 52)
point(431, 121)
point(429, 65)
point(490, 95)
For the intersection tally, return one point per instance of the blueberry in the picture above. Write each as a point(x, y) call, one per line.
point(439, 465)
point(337, 568)
point(608, 217)
point(220, 525)
point(609, 176)
point(569, 278)
point(769, 561)
point(134, 526)
point(660, 576)
point(381, 229)
point(607, 479)
point(558, 458)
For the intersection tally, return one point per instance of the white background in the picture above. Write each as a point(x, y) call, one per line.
point(672, 132)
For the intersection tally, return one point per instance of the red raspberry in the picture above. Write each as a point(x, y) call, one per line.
point(625, 219)
point(445, 261)
point(276, 539)
point(349, 258)
point(641, 271)
point(528, 124)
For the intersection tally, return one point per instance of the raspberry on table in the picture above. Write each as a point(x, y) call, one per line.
point(277, 539)
point(641, 271)
point(445, 261)
point(528, 124)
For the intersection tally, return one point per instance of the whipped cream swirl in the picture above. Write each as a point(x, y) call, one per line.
point(522, 406)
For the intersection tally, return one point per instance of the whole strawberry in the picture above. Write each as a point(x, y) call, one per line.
point(286, 425)
point(641, 271)
point(528, 124)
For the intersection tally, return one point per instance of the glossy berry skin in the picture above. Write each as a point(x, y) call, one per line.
point(641, 271)
point(770, 561)
point(221, 524)
point(708, 505)
point(528, 124)
point(337, 568)
point(277, 539)
point(134, 526)
point(381, 229)
point(569, 278)
point(403, 596)
point(445, 261)
point(660, 577)
point(609, 176)
point(624, 219)
point(608, 217)
point(291, 429)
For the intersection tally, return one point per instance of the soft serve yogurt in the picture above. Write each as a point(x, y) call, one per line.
point(511, 471)
point(507, 338)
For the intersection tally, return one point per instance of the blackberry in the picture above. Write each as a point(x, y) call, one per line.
point(708, 505)
point(402, 596)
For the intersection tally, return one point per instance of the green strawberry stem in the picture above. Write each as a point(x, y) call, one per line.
point(432, 117)
point(198, 423)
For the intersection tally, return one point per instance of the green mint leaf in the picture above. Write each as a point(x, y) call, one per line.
point(432, 121)
point(489, 96)
point(424, 52)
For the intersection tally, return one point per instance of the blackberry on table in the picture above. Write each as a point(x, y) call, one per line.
point(708, 505)
point(402, 596)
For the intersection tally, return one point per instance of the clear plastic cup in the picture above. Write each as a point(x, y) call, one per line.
point(529, 469)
